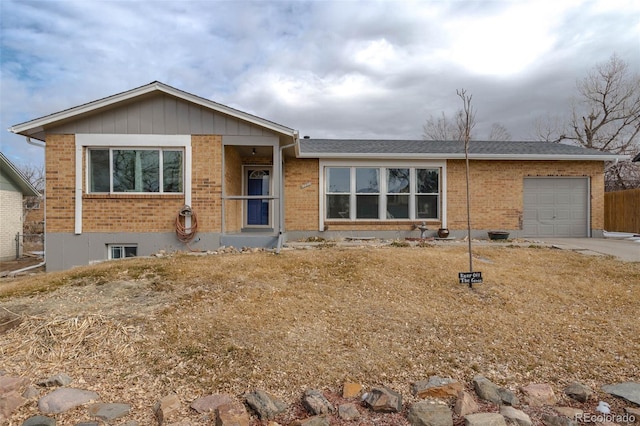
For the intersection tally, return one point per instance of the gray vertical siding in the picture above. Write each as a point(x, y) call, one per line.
point(160, 114)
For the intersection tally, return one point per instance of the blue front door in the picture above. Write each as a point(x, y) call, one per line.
point(258, 183)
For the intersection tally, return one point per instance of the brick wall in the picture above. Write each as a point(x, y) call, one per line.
point(11, 214)
point(206, 181)
point(301, 194)
point(60, 182)
point(496, 190)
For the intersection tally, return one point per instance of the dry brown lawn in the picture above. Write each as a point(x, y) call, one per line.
point(139, 329)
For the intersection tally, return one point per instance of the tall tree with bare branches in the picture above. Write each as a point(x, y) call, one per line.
point(606, 117)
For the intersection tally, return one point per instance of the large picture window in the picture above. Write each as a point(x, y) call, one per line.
point(135, 170)
point(382, 193)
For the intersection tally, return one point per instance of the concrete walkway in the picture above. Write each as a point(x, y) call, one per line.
point(623, 249)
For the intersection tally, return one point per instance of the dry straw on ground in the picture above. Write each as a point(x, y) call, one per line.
point(139, 329)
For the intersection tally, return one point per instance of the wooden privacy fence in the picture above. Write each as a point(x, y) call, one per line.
point(622, 211)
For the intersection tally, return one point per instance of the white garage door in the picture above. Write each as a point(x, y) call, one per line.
point(556, 207)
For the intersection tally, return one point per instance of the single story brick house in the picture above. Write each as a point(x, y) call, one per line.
point(14, 186)
point(158, 168)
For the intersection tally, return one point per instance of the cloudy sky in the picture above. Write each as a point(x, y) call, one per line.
point(331, 69)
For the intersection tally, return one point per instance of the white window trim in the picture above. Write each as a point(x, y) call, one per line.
point(86, 140)
point(160, 151)
point(123, 246)
point(442, 165)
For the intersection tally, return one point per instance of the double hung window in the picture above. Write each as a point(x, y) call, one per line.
point(117, 170)
point(382, 193)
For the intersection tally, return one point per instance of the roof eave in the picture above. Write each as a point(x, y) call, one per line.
point(16, 175)
point(449, 156)
point(32, 127)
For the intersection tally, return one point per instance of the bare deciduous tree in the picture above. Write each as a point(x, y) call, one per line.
point(606, 117)
point(442, 128)
point(499, 133)
point(35, 175)
point(446, 129)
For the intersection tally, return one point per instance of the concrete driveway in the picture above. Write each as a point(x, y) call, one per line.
point(623, 249)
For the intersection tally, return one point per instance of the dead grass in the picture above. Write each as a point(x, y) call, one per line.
point(139, 329)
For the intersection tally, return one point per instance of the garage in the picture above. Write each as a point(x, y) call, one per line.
point(556, 207)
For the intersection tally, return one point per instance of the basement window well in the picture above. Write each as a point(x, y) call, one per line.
point(120, 251)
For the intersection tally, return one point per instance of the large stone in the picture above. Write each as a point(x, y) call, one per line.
point(628, 390)
point(436, 387)
point(39, 421)
point(264, 404)
point(65, 399)
point(427, 413)
point(10, 402)
point(166, 408)
point(232, 414)
point(314, 401)
point(383, 399)
point(516, 416)
point(569, 412)
point(12, 384)
point(209, 403)
point(61, 379)
point(484, 419)
point(538, 394)
point(348, 412)
point(108, 412)
point(489, 391)
point(578, 391)
point(312, 421)
point(550, 420)
point(465, 404)
point(351, 390)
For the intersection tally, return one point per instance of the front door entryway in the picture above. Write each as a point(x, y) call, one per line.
point(258, 183)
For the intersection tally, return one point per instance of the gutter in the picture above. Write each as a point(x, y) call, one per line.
point(296, 139)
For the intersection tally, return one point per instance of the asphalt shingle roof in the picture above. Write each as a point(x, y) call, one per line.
point(322, 147)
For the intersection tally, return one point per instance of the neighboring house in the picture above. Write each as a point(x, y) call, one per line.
point(120, 171)
point(14, 186)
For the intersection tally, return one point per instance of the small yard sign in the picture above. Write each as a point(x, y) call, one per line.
point(470, 278)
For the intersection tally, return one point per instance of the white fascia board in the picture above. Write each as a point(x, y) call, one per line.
point(37, 125)
point(504, 157)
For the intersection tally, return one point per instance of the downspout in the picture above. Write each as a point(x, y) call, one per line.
point(44, 238)
point(281, 197)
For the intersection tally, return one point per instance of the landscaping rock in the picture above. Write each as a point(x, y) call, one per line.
point(10, 402)
point(538, 395)
point(167, 407)
point(312, 421)
point(628, 390)
point(61, 379)
point(232, 414)
point(348, 412)
point(516, 416)
point(315, 402)
point(108, 412)
point(550, 420)
point(569, 412)
point(10, 384)
point(39, 421)
point(383, 399)
point(436, 387)
point(465, 404)
point(351, 390)
point(209, 403)
point(578, 391)
point(484, 419)
point(265, 405)
point(64, 399)
point(427, 413)
point(487, 390)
